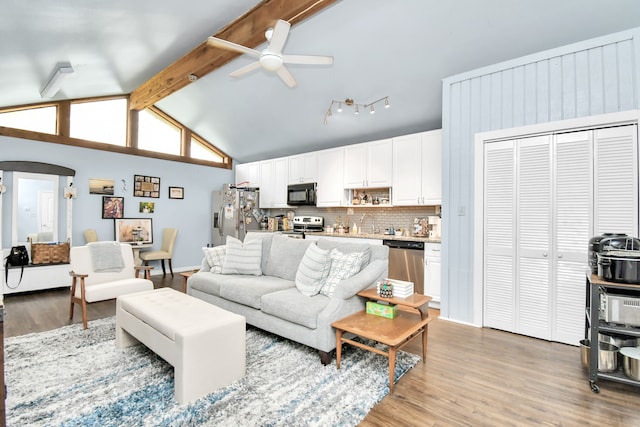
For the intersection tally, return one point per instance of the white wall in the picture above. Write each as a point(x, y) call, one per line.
point(190, 215)
point(592, 77)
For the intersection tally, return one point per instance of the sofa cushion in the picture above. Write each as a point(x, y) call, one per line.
point(266, 238)
point(285, 256)
point(344, 247)
point(294, 307)
point(248, 290)
point(313, 270)
point(242, 258)
point(215, 257)
point(343, 266)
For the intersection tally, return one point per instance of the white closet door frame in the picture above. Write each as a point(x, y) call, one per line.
point(482, 138)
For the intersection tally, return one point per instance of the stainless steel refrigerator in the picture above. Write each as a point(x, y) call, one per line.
point(235, 211)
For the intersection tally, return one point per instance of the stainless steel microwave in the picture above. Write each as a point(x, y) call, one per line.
point(301, 194)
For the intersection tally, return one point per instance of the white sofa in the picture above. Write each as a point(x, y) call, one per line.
point(272, 302)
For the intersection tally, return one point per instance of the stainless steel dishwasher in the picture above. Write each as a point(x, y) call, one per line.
point(406, 262)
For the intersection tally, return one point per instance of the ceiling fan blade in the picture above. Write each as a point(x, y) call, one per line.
point(307, 59)
point(246, 69)
point(279, 36)
point(286, 76)
point(224, 44)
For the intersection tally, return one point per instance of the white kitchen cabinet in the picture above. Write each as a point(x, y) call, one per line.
point(248, 172)
point(432, 273)
point(303, 168)
point(329, 191)
point(417, 169)
point(273, 183)
point(368, 165)
point(544, 196)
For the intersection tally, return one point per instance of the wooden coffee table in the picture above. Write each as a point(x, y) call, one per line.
point(394, 333)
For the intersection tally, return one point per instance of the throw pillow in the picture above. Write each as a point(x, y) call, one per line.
point(242, 258)
point(313, 270)
point(215, 258)
point(343, 266)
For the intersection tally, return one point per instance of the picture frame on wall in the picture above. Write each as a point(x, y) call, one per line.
point(136, 231)
point(147, 207)
point(176, 192)
point(101, 186)
point(146, 186)
point(112, 207)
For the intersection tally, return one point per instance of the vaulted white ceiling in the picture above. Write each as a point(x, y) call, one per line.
point(401, 49)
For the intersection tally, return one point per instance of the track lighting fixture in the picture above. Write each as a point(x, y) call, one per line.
point(349, 102)
point(61, 72)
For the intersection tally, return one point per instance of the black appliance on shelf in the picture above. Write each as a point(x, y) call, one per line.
point(301, 194)
point(615, 257)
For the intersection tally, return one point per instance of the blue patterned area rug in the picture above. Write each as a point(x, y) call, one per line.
point(71, 377)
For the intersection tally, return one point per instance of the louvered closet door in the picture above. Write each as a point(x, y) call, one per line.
point(616, 181)
point(533, 197)
point(572, 211)
point(499, 235)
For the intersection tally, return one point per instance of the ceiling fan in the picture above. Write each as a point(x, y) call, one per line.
point(271, 58)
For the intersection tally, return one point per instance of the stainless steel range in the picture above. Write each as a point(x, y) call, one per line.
point(308, 224)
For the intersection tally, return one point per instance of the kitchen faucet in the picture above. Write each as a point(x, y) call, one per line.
point(373, 222)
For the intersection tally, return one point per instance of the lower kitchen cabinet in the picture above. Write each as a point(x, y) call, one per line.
point(432, 272)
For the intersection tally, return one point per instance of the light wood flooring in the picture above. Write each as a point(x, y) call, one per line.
point(472, 376)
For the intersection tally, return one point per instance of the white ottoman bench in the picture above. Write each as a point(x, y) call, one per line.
point(204, 343)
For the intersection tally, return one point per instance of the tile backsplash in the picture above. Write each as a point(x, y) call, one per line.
point(383, 217)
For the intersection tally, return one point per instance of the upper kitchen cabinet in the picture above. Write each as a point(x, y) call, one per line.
point(417, 169)
point(329, 192)
point(368, 165)
point(249, 173)
point(273, 183)
point(303, 167)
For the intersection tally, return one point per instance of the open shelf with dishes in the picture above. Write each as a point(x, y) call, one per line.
point(368, 197)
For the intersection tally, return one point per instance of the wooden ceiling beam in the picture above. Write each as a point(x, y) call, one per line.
point(247, 30)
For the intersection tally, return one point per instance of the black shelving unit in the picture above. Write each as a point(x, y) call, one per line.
point(595, 325)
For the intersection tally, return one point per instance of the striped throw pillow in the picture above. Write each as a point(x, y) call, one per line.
point(242, 258)
point(313, 270)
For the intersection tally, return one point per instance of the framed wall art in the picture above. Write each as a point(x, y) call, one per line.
point(147, 207)
point(146, 186)
point(112, 207)
point(101, 186)
point(176, 192)
point(138, 231)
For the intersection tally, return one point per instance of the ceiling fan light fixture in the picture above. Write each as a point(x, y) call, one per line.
point(372, 111)
point(357, 110)
point(271, 61)
point(339, 107)
point(386, 103)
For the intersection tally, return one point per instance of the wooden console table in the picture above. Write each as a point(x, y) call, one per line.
point(394, 333)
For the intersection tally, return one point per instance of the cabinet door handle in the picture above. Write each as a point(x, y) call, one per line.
point(544, 254)
point(559, 255)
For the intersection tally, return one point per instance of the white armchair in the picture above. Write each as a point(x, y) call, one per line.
point(99, 276)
